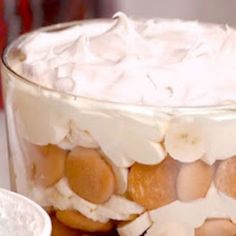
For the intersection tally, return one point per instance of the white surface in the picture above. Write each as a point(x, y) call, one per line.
point(19, 216)
point(217, 11)
point(4, 168)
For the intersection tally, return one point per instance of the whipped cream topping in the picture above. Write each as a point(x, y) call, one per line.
point(20, 216)
point(152, 62)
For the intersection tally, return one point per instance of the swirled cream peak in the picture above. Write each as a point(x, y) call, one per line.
point(152, 62)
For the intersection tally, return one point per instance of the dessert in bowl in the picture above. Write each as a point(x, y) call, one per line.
point(126, 125)
point(21, 216)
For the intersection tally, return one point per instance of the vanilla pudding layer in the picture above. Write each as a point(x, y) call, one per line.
point(157, 161)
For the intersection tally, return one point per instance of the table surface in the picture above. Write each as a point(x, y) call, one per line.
point(4, 167)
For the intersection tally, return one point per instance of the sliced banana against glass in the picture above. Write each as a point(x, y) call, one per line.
point(136, 227)
point(181, 212)
point(63, 188)
point(170, 229)
point(185, 139)
point(57, 200)
point(120, 174)
point(119, 208)
point(86, 208)
point(143, 151)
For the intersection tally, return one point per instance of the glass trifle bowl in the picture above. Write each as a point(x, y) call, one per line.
point(124, 126)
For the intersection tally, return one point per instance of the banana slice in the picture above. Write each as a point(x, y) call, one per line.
point(88, 209)
point(170, 229)
point(136, 227)
point(63, 188)
point(57, 200)
point(185, 139)
point(142, 150)
point(122, 205)
point(106, 212)
point(121, 176)
point(217, 227)
point(142, 137)
point(191, 213)
point(194, 180)
point(119, 208)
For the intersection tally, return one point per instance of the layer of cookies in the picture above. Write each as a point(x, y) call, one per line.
point(82, 182)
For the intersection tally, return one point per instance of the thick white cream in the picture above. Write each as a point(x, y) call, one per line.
point(154, 62)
